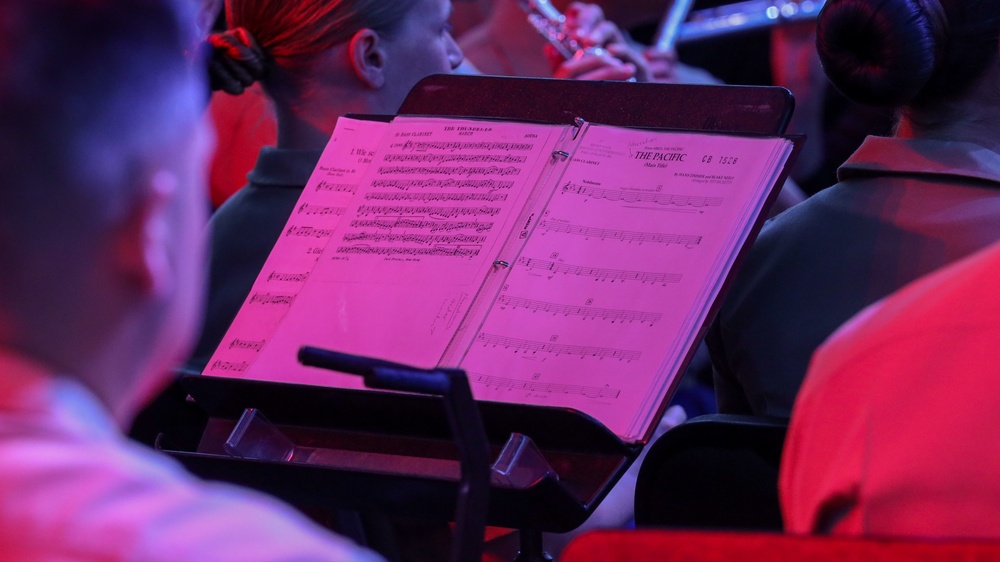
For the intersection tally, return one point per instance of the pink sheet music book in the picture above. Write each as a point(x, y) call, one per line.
point(568, 266)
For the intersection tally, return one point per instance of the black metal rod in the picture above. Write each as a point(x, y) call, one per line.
point(466, 428)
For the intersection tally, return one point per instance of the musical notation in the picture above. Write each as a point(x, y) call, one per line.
point(445, 158)
point(443, 212)
point(290, 277)
point(424, 239)
point(230, 366)
point(433, 226)
point(418, 146)
point(451, 170)
point(309, 231)
point(600, 273)
point(533, 347)
point(271, 298)
point(621, 235)
point(307, 209)
point(324, 185)
point(438, 251)
point(596, 324)
point(502, 383)
point(585, 312)
point(405, 185)
point(427, 197)
point(641, 197)
point(254, 345)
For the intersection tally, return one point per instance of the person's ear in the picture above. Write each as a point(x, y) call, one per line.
point(368, 58)
point(141, 245)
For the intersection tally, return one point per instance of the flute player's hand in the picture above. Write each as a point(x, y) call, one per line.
point(662, 66)
point(606, 55)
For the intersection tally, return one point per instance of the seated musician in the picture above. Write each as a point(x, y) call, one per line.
point(318, 60)
point(101, 221)
point(892, 432)
point(905, 205)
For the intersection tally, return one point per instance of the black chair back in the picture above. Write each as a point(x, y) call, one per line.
point(716, 471)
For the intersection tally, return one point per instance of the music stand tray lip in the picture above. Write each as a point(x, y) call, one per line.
point(415, 415)
point(585, 456)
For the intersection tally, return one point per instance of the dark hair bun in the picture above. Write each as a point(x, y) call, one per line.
point(236, 61)
point(880, 52)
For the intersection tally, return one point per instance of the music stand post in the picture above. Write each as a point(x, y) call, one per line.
point(463, 417)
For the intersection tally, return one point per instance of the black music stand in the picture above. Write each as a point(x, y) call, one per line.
point(463, 418)
point(393, 452)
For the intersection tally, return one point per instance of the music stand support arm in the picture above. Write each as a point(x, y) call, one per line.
point(463, 417)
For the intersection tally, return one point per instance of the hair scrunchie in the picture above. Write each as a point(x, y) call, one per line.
point(236, 62)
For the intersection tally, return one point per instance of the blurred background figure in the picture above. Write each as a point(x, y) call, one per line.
point(467, 14)
point(101, 240)
point(506, 44)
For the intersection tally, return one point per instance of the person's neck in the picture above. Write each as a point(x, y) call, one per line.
point(975, 125)
point(307, 124)
point(298, 134)
point(972, 119)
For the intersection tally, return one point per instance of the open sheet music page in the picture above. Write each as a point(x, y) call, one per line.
point(330, 189)
point(617, 278)
point(414, 246)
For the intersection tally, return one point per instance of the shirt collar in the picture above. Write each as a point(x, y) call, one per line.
point(881, 155)
point(31, 391)
point(283, 166)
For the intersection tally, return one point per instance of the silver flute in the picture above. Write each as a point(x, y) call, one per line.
point(749, 15)
point(551, 24)
point(670, 27)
